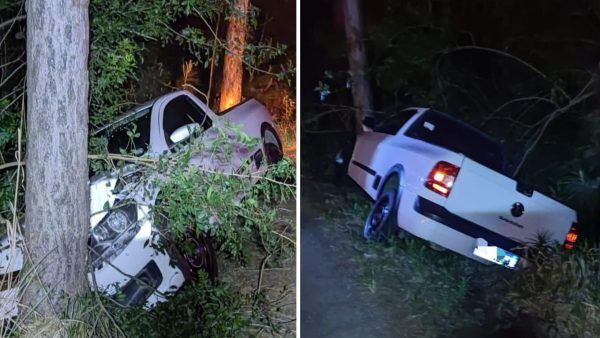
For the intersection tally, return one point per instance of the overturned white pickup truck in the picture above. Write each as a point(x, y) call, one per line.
point(442, 180)
point(121, 258)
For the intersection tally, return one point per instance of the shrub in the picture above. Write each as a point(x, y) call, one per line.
point(561, 291)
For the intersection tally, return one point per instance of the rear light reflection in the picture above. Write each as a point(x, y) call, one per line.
point(441, 178)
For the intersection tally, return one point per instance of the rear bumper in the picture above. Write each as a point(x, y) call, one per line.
point(432, 222)
point(442, 215)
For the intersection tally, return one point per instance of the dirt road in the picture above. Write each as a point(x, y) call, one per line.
point(335, 301)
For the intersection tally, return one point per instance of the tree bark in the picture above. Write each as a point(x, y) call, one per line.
point(357, 59)
point(56, 194)
point(231, 83)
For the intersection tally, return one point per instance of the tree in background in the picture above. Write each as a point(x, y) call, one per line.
point(231, 83)
point(56, 195)
point(357, 59)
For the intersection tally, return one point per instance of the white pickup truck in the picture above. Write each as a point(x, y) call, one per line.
point(119, 237)
point(443, 181)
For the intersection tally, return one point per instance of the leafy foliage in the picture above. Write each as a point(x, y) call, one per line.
point(233, 209)
point(204, 309)
point(119, 30)
point(561, 291)
point(122, 30)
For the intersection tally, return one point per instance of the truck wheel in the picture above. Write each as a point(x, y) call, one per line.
point(191, 253)
point(199, 254)
point(381, 224)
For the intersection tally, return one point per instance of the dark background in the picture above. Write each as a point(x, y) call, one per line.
point(414, 61)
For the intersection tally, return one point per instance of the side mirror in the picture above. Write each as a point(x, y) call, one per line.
point(184, 132)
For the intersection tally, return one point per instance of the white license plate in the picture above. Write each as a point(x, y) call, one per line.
point(496, 255)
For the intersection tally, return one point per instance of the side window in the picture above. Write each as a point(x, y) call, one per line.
point(392, 124)
point(180, 112)
point(133, 134)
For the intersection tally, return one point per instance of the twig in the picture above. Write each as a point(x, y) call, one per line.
point(557, 112)
point(11, 21)
point(99, 301)
point(521, 99)
point(260, 277)
point(212, 63)
point(510, 56)
point(12, 74)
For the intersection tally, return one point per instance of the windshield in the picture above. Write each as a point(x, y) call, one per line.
point(442, 130)
point(131, 134)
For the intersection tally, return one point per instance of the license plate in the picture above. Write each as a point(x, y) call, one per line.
point(496, 255)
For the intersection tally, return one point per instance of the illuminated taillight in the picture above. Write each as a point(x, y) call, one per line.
point(441, 178)
point(571, 238)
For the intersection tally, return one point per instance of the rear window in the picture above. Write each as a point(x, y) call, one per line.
point(442, 130)
point(392, 124)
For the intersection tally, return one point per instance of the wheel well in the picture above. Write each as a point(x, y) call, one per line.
point(267, 126)
point(396, 171)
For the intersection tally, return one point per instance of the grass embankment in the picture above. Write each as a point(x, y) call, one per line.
point(448, 295)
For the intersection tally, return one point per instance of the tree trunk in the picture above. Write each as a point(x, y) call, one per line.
point(231, 84)
point(357, 59)
point(56, 194)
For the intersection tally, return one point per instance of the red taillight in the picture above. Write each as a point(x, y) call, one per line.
point(571, 238)
point(441, 178)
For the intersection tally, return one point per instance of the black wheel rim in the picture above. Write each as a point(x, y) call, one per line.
point(378, 216)
point(202, 257)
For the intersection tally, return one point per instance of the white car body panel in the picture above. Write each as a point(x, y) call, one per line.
point(9, 263)
point(481, 196)
point(470, 198)
point(249, 116)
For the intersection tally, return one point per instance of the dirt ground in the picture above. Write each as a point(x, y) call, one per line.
point(277, 283)
point(335, 300)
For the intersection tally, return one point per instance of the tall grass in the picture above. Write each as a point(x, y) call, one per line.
point(561, 292)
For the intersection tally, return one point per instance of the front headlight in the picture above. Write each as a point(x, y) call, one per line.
point(110, 237)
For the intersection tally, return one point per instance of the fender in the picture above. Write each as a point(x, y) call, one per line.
point(397, 169)
point(269, 125)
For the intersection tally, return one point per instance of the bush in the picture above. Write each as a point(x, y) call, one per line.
point(561, 292)
point(200, 310)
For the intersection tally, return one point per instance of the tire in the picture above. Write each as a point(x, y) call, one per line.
point(382, 222)
point(192, 253)
point(200, 255)
point(273, 153)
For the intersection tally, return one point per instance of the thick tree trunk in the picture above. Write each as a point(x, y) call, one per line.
point(231, 84)
point(56, 193)
point(357, 59)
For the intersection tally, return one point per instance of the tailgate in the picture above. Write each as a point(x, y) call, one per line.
point(491, 200)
